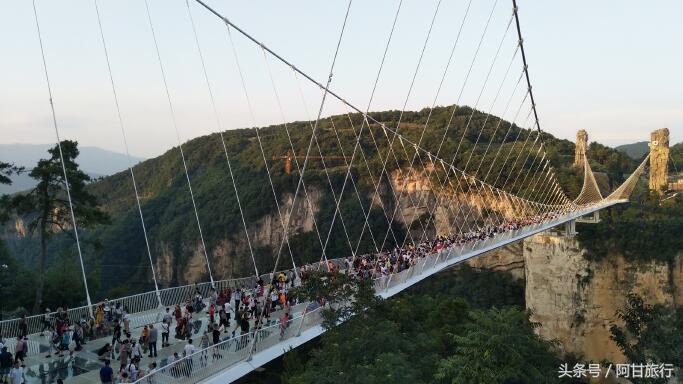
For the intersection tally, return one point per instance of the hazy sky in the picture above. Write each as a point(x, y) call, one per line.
point(613, 68)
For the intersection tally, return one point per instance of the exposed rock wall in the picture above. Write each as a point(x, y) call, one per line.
point(450, 208)
point(659, 159)
point(232, 256)
point(576, 300)
point(509, 258)
point(19, 228)
point(581, 145)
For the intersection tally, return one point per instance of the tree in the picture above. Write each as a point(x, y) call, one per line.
point(291, 364)
point(650, 333)
point(498, 346)
point(6, 172)
point(47, 208)
point(342, 295)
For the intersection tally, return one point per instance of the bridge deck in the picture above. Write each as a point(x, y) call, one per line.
point(272, 340)
point(270, 344)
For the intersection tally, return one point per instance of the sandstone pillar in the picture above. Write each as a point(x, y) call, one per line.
point(581, 145)
point(659, 159)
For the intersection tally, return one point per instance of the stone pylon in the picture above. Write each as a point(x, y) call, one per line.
point(659, 159)
point(581, 146)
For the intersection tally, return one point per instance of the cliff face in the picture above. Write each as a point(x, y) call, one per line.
point(509, 258)
point(449, 208)
point(576, 300)
point(232, 254)
point(414, 199)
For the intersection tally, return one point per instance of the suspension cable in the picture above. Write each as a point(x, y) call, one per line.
point(398, 126)
point(219, 127)
point(431, 110)
point(337, 201)
point(326, 91)
point(365, 122)
point(526, 67)
point(285, 228)
point(61, 158)
point(177, 132)
point(303, 168)
point(365, 115)
point(125, 144)
point(291, 146)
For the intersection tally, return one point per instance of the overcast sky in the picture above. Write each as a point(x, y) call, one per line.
point(613, 68)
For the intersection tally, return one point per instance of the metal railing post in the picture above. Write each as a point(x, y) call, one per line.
point(386, 288)
point(303, 318)
point(252, 346)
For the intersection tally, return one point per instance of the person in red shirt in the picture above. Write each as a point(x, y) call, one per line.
point(212, 313)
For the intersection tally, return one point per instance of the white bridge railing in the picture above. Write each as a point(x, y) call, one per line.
point(136, 305)
point(226, 354)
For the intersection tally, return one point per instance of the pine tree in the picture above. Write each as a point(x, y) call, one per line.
point(46, 206)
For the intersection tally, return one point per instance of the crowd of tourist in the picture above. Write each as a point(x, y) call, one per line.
point(374, 266)
point(231, 313)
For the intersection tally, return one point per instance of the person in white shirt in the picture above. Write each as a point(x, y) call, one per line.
point(136, 350)
point(17, 374)
point(189, 348)
point(229, 311)
point(167, 316)
point(132, 371)
point(165, 330)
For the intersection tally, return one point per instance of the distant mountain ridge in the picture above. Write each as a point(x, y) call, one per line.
point(93, 160)
point(636, 150)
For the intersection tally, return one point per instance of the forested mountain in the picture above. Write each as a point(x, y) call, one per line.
point(115, 254)
point(635, 150)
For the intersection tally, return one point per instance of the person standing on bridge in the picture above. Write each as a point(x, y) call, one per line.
point(17, 374)
point(23, 326)
point(237, 298)
point(204, 345)
point(213, 296)
point(116, 337)
point(152, 340)
point(165, 328)
point(20, 349)
point(47, 321)
point(106, 373)
point(126, 319)
point(5, 364)
point(229, 313)
point(123, 354)
point(144, 338)
point(189, 350)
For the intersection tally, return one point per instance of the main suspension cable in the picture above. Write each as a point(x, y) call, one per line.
point(125, 144)
point(219, 127)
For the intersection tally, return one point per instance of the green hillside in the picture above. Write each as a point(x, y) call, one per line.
point(636, 150)
point(116, 256)
point(676, 153)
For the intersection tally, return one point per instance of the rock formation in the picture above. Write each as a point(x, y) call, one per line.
point(576, 300)
point(659, 159)
point(581, 146)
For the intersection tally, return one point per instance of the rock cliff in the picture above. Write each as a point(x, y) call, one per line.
point(575, 299)
point(232, 254)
